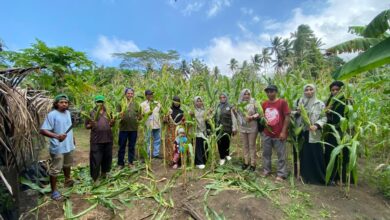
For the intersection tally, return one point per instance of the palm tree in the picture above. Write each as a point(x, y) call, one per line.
point(184, 69)
point(265, 59)
point(256, 62)
point(276, 50)
point(233, 65)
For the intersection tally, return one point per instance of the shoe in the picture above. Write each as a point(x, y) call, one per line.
point(201, 166)
point(279, 179)
point(252, 168)
point(130, 165)
point(175, 166)
point(103, 176)
point(222, 162)
point(228, 158)
point(121, 167)
point(244, 166)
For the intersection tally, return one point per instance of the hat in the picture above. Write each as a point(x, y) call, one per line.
point(181, 131)
point(176, 98)
point(271, 87)
point(148, 92)
point(61, 96)
point(99, 98)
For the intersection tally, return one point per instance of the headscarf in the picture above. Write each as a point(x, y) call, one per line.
point(177, 113)
point(220, 107)
point(195, 100)
point(309, 102)
point(240, 99)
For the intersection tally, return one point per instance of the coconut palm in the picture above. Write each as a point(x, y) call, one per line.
point(233, 65)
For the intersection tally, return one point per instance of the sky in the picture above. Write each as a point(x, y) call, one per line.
point(212, 30)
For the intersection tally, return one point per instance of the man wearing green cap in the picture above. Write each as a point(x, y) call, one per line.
point(57, 126)
point(100, 123)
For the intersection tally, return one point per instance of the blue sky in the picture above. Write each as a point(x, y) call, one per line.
point(213, 30)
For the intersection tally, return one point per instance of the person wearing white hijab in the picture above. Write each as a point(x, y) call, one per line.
point(247, 119)
point(312, 165)
point(201, 133)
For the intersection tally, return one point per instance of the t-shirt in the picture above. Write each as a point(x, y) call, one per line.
point(58, 122)
point(274, 114)
point(130, 118)
point(102, 133)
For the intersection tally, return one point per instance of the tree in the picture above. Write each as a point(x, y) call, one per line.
point(184, 69)
point(233, 65)
point(57, 62)
point(374, 42)
point(256, 62)
point(148, 59)
point(265, 58)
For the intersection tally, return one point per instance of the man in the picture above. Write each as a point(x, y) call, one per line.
point(100, 123)
point(56, 126)
point(151, 109)
point(277, 115)
point(128, 127)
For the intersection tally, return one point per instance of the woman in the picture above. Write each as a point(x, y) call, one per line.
point(174, 119)
point(201, 133)
point(247, 117)
point(335, 109)
point(311, 155)
point(225, 118)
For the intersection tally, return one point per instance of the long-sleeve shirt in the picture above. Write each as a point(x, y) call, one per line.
point(153, 121)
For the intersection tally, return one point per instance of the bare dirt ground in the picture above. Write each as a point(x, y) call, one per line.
point(286, 201)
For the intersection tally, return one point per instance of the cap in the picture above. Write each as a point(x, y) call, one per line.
point(99, 98)
point(271, 87)
point(61, 96)
point(148, 92)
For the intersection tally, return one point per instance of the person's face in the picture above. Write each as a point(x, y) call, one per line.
point(99, 103)
point(199, 103)
point(149, 97)
point(129, 94)
point(222, 99)
point(176, 104)
point(63, 105)
point(247, 96)
point(271, 94)
point(335, 90)
point(309, 92)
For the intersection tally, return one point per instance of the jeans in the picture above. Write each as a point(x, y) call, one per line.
point(156, 141)
point(131, 137)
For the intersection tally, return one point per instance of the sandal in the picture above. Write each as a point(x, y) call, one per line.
point(68, 183)
point(56, 196)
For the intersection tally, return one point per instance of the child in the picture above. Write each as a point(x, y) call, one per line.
point(178, 147)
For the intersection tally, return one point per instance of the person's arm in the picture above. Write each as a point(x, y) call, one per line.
point(234, 122)
point(322, 118)
point(50, 134)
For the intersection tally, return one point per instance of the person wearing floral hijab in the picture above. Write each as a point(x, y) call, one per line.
point(201, 133)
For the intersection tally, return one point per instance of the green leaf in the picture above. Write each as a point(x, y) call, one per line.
point(379, 25)
point(329, 170)
point(374, 57)
point(354, 45)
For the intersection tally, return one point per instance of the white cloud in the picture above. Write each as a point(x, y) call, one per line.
point(192, 7)
point(216, 6)
point(222, 49)
point(255, 19)
point(106, 47)
point(330, 23)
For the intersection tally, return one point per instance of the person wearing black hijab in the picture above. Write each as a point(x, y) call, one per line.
point(172, 120)
point(335, 109)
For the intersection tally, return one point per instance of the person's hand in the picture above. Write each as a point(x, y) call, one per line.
point(92, 124)
point(192, 114)
point(234, 133)
point(313, 128)
point(61, 137)
point(283, 136)
point(112, 122)
point(248, 118)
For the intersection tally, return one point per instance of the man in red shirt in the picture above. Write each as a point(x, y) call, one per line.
point(277, 115)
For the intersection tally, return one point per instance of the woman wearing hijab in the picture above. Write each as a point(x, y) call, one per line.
point(247, 118)
point(311, 154)
point(173, 119)
point(335, 109)
point(225, 118)
point(201, 133)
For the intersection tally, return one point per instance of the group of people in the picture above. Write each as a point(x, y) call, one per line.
point(246, 118)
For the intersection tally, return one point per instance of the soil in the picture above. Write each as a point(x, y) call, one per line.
point(300, 202)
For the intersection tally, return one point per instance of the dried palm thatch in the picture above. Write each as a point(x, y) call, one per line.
point(21, 113)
